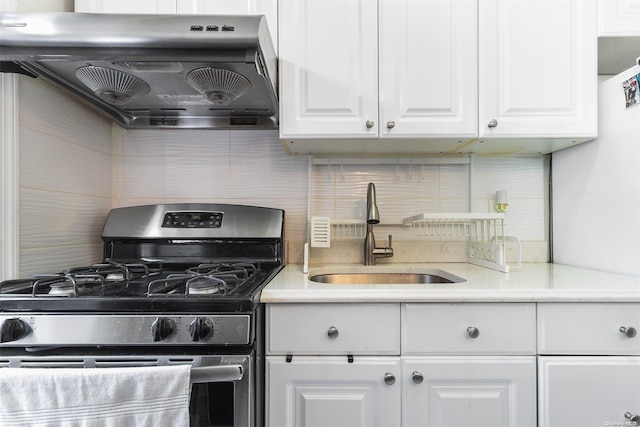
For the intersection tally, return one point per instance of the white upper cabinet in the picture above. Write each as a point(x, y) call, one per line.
point(437, 76)
point(364, 69)
point(128, 6)
point(328, 68)
point(538, 69)
point(618, 18)
point(428, 68)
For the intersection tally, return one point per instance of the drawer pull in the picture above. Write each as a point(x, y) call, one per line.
point(473, 332)
point(332, 332)
point(389, 378)
point(634, 418)
point(417, 377)
point(630, 332)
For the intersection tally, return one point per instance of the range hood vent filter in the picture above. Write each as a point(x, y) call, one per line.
point(220, 86)
point(115, 87)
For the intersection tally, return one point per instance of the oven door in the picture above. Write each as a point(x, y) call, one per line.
point(222, 389)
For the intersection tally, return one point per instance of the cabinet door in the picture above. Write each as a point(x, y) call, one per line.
point(333, 329)
point(428, 68)
point(588, 391)
point(618, 18)
point(268, 8)
point(328, 68)
point(538, 68)
point(465, 329)
point(588, 328)
point(128, 6)
point(331, 392)
point(469, 391)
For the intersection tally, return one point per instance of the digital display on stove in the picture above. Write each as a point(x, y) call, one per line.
point(192, 220)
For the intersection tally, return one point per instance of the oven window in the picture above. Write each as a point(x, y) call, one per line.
point(212, 405)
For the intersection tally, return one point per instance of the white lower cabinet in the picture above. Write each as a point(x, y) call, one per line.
point(474, 391)
point(330, 391)
point(453, 365)
point(459, 365)
point(589, 391)
point(589, 364)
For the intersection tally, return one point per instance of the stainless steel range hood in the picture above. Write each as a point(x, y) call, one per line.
point(152, 71)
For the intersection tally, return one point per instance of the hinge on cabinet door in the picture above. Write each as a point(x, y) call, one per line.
point(289, 358)
point(350, 358)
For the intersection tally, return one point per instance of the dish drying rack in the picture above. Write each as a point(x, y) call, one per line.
point(484, 233)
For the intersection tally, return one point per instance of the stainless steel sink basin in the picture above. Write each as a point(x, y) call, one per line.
point(386, 278)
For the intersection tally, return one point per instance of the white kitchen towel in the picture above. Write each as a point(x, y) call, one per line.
point(155, 396)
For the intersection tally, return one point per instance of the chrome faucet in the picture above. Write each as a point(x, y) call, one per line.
point(373, 218)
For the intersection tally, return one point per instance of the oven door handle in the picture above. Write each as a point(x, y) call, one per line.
point(216, 374)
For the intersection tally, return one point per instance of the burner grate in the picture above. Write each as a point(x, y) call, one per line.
point(204, 280)
point(101, 279)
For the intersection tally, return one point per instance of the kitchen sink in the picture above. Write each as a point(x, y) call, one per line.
point(386, 278)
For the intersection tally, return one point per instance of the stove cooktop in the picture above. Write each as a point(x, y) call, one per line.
point(144, 287)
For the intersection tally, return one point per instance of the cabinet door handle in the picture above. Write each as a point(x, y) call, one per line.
point(370, 124)
point(473, 332)
point(389, 378)
point(634, 418)
point(492, 123)
point(417, 377)
point(391, 124)
point(332, 332)
point(630, 331)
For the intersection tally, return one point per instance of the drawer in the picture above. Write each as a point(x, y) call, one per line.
point(473, 328)
point(589, 328)
point(341, 329)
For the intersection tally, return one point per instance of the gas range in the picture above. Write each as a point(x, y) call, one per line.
point(177, 274)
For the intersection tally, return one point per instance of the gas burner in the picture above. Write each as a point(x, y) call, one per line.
point(205, 285)
point(118, 272)
point(65, 289)
point(204, 280)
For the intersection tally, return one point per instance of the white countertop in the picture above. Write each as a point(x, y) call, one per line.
point(535, 282)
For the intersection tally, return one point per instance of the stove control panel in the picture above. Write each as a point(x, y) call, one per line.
point(124, 329)
point(192, 220)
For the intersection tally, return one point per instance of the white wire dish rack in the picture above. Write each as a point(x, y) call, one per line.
point(484, 233)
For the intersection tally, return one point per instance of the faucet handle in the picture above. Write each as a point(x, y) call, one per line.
point(388, 251)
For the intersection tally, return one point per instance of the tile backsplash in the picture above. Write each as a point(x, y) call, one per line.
point(75, 166)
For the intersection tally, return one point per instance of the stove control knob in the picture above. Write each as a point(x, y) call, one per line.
point(162, 328)
point(200, 328)
point(13, 330)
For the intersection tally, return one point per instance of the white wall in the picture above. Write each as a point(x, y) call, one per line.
point(65, 175)
point(596, 189)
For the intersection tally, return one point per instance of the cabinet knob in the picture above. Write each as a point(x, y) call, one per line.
point(332, 332)
point(389, 378)
point(473, 332)
point(630, 331)
point(633, 418)
point(391, 124)
point(417, 377)
point(370, 124)
point(493, 123)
